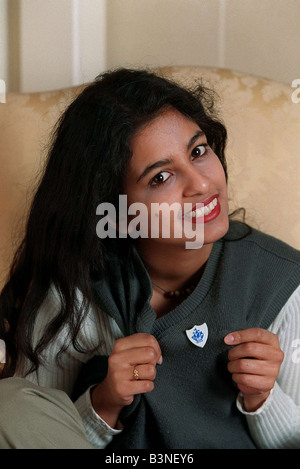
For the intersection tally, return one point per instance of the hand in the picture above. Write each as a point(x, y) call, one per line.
point(255, 361)
point(138, 351)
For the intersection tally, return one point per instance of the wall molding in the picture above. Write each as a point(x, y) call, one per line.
point(222, 33)
point(76, 36)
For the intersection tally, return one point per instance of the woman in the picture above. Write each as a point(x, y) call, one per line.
point(192, 335)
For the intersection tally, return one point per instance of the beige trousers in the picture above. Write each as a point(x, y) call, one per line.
point(32, 417)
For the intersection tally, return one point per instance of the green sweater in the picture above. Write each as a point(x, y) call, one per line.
point(245, 284)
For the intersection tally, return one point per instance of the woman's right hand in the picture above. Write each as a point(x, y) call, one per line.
point(139, 352)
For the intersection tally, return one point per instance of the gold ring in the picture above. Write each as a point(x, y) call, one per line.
point(135, 373)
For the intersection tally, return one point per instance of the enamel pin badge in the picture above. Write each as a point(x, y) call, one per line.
point(198, 335)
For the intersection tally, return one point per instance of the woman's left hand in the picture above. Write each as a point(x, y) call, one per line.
point(255, 361)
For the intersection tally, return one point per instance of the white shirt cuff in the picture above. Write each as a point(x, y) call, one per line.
point(98, 432)
point(239, 404)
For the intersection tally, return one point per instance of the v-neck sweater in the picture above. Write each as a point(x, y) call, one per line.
point(245, 284)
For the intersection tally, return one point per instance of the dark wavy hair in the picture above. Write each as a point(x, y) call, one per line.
point(87, 160)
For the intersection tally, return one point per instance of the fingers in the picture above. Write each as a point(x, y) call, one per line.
point(254, 363)
point(122, 370)
point(255, 343)
point(144, 372)
point(136, 341)
point(249, 366)
point(134, 356)
point(253, 384)
point(254, 334)
point(125, 390)
point(140, 352)
point(255, 350)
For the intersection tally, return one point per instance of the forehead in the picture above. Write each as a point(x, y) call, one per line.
point(165, 134)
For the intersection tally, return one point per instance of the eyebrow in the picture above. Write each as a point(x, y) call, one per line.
point(160, 163)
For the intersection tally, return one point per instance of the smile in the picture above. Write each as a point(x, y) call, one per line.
point(201, 212)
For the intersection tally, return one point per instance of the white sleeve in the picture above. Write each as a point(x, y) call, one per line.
point(276, 424)
point(97, 332)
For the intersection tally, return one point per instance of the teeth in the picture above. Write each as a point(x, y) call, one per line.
point(200, 212)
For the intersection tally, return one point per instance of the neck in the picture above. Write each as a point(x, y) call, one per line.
point(173, 267)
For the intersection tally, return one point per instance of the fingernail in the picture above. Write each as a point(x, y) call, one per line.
point(229, 339)
point(160, 360)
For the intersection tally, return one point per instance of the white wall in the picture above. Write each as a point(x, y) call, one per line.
point(45, 43)
point(263, 37)
point(59, 43)
point(164, 32)
point(256, 36)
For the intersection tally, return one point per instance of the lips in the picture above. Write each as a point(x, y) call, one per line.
point(210, 210)
point(209, 199)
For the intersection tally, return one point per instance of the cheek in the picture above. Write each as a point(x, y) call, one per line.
point(222, 184)
point(217, 174)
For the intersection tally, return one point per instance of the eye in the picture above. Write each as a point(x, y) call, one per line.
point(160, 178)
point(199, 150)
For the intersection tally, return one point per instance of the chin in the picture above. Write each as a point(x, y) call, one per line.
point(215, 231)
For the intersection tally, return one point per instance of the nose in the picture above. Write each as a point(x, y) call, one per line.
point(195, 182)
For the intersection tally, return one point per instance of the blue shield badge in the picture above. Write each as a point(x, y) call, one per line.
point(198, 335)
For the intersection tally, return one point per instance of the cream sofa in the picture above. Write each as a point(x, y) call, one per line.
point(263, 151)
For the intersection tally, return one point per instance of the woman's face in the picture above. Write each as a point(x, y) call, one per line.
point(172, 162)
